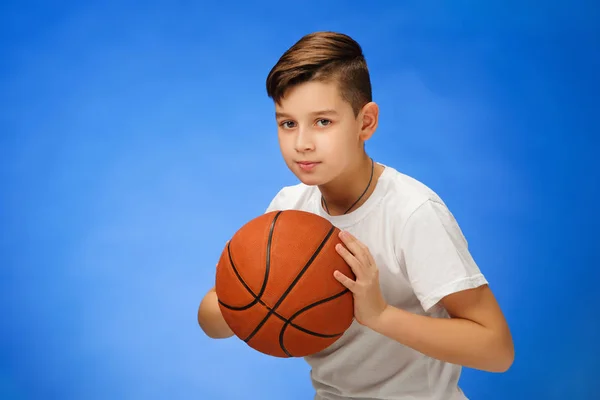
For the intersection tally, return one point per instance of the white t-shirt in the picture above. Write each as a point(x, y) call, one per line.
point(422, 256)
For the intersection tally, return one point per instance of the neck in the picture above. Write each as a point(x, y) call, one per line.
point(343, 192)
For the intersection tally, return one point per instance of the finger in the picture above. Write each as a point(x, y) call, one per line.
point(370, 260)
point(362, 254)
point(344, 280)
point(356, 247)
point(351, 260)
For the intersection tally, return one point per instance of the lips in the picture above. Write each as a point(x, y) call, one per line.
point(307, 165)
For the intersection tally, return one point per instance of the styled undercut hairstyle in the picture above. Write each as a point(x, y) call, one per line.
point(325, 57)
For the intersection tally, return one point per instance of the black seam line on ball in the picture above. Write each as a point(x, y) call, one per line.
point(308, 307)
point(257, 297)
point(287, 321)
point(291, 286)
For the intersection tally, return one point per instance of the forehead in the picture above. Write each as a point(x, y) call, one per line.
point(311, 96)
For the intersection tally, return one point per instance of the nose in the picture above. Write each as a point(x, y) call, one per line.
point(304, 141)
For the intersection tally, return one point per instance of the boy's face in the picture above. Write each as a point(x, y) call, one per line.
point(319, 136)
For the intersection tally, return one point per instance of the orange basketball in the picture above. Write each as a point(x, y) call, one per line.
point(276, 288)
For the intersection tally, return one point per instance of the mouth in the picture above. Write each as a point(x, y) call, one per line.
point(307, 165)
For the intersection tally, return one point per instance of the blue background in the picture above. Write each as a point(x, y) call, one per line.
point(135, 138)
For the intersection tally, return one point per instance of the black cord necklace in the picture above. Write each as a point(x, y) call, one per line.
point(361, 196)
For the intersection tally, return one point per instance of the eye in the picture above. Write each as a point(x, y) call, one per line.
point(324, 122)
point(287, 124)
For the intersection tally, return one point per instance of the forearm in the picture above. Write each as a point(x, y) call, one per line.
point(454, 340)
point(210, 318)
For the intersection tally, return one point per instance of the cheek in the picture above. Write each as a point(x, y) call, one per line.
point(286, 146)
point(283, 141)
point(343, 141)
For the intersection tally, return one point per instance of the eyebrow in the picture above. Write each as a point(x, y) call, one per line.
point(321, 112)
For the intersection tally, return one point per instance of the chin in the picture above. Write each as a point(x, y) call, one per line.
point(309, 179)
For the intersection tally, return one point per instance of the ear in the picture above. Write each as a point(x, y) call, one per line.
point(369, 118)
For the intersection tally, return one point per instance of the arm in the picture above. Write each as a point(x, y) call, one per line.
point(475, 336)
point(210, 318)
point(441, 271)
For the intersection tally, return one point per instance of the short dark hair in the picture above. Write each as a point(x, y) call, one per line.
point(323, 56)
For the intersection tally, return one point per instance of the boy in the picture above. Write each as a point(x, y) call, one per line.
point(423, 309)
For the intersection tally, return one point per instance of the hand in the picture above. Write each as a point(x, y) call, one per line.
point(369, 303)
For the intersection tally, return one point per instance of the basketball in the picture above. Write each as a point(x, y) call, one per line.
point(276, 288)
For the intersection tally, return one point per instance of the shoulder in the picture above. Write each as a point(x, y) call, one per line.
point(416, 210)
point(291, 197)
point(418, 213)
point(406, 197)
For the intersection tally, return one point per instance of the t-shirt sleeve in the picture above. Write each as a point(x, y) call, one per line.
point(272, 205)
point(276, 203)
point(436, 254)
